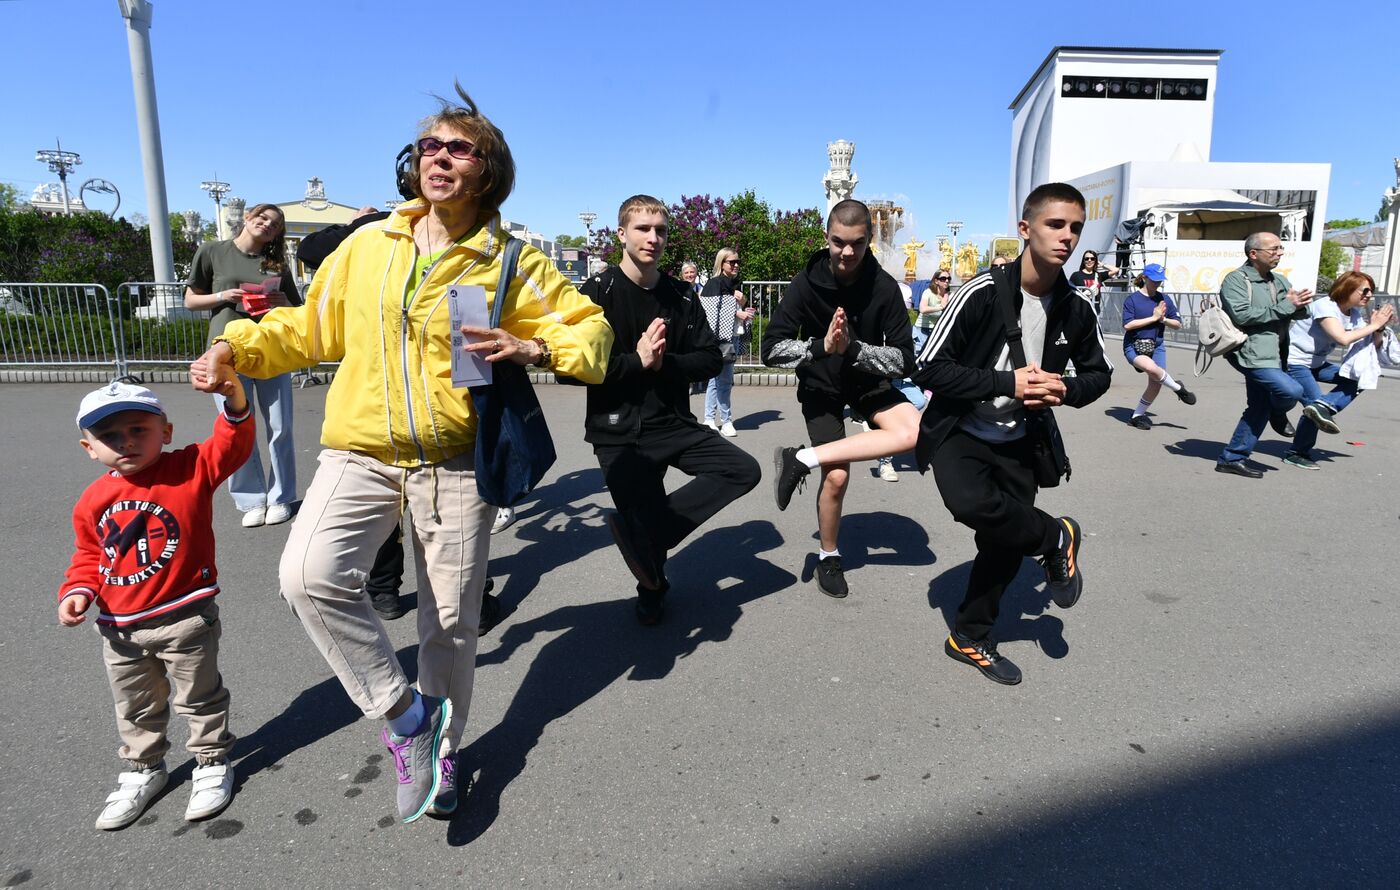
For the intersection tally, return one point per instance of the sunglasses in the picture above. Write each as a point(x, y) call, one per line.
point(1366, 291)
point(458, 148)
point(942, 278)
point(1091, 259)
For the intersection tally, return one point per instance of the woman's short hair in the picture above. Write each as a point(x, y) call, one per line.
point(497, 178)
point(272, 259)
point(689, 264)
point(1350, 281)
point(725, 253)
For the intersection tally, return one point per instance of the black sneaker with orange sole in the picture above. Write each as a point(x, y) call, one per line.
point(983, 655)
point(1062, 575)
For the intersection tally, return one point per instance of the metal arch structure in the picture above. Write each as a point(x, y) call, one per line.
point(101, 187)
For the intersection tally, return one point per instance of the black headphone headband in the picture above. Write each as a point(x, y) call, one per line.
point(403, 166)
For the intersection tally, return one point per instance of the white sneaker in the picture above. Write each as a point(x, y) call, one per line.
point(888, 472)
point(728, 430)
point(278, 514)
point(135, 791)
point(255, 517)
point(710, 422)
point(504, 517)
point(211, 789)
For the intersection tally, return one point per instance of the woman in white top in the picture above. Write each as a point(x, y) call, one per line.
point(1334, 320)
point(931, 305)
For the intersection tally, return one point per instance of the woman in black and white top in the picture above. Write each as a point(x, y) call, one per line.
point(725, 307)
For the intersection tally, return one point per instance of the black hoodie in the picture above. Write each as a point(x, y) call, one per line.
point(882, 341)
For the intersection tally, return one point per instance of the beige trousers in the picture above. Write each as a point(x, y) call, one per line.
point(352, 505)
point(144, 661)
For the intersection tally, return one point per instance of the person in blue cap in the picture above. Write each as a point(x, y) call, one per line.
point(1147, 313)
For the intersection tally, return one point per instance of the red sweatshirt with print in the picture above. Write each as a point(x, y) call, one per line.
point(145, 542)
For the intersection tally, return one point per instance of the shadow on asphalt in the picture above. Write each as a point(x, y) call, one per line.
point(599, 642)
point(317, 712)
point(756, 419)
point(1312, 811)
point(879, 538)
point(1125, 416)
point(1023, 607)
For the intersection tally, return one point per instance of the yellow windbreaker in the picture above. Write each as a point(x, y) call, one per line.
point(392, 397)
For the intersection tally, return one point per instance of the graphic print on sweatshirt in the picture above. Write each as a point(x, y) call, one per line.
point(139, 538)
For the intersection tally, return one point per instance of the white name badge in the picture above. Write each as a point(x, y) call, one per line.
point(466, 305)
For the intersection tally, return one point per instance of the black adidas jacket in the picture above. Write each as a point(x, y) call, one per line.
point(957, 362)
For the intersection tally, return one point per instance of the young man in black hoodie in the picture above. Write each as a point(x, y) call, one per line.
point(639, 420)
point(843, 325)
point(975, 428)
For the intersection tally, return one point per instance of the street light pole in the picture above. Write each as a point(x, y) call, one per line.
point(588, 216)
point(60, 162)
point(217, 190)
point(954, 226)
point(137, 14)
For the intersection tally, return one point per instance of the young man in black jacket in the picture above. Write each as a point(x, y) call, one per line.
point(639, 420)
point(974, 430)
point(843, 325)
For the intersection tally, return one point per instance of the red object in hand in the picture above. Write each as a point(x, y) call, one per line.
point(255, 295)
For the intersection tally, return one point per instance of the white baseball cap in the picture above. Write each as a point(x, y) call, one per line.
point(113, 398)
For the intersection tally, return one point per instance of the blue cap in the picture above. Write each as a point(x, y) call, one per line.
point(1154, 272)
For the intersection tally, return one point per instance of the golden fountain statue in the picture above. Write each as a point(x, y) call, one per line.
point(911, 259)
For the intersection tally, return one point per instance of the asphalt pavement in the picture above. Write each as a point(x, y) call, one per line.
point(1222, 707)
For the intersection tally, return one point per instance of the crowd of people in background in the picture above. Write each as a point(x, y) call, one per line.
point(966, 379)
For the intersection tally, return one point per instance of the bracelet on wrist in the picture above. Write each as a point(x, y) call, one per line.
point(545, 359)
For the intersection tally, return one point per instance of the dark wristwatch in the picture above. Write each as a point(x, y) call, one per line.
point(545, 359)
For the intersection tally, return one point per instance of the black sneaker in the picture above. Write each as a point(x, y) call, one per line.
point(1281, 425)
point(1186, 395)
point(637, 550)
point(788, 476)
point(1142, 422)
point(491, 614)
point(830, 579)
point(1062, 575)
point(651, 607)
point(983, 655)
point(387, 604)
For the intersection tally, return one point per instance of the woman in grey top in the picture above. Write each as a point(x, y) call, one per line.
point(219, 274)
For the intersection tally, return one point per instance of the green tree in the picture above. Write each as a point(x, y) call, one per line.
point(1348, 223)
point(571, 240)
point(1329, 264)
point(11, 198)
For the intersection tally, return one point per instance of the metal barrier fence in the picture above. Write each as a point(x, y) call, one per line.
point(57, 325)
point(160, 332)
point(765, 297)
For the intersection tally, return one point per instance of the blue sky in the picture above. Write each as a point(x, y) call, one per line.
point(599, 101)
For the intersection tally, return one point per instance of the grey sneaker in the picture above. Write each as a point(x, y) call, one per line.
point(1321, 416)
point(445, 803)
point(417, 762)
point(1294, 459)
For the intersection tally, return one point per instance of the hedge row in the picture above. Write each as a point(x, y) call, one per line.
point(40, 339)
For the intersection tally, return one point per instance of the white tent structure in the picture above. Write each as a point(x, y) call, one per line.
point(1365, 247)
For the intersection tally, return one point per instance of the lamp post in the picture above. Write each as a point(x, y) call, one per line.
point(137, 14)
point(588, 216)
point(60, 162)
point(954, 226)
point(217, 190)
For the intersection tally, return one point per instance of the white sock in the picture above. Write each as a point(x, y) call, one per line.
point(1169, 383)
point(823, 554)
point(1142, 407)
point(408, 722)
point(808, 456)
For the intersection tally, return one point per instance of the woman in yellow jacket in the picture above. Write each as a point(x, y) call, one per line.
point(398, 433)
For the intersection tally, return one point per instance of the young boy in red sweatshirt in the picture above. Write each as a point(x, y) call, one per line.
point(144, 555)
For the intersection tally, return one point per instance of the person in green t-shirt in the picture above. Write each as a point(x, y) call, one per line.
point(219, 274)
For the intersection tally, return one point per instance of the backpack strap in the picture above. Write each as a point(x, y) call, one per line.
point(510, 259)
point(1010, 320)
